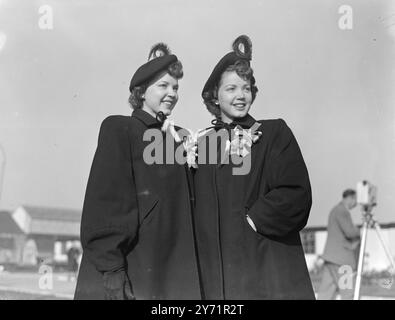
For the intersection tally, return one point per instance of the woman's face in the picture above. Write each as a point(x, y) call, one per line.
point(234, 96)
point(161, 95)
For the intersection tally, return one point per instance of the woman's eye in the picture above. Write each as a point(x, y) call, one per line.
point(230, 89)
point(248, 89)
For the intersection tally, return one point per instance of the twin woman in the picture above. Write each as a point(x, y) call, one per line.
point(175, 231)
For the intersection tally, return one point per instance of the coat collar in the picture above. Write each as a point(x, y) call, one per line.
point(146, 118)
point(245, 122)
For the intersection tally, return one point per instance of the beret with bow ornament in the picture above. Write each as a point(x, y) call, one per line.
point(242, 50)
point(159, 59)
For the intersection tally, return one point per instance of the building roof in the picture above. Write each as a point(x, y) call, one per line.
point(48, 213)
point(8, 225)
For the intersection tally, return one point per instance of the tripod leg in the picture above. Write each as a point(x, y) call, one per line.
point(384, 245)
point(360, 260)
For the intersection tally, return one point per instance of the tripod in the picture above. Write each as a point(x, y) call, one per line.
point(369, 222)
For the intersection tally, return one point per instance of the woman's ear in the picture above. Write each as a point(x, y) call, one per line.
point(215, 95)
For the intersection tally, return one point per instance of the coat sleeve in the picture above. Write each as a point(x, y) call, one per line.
point(110, 214)
point(344, 220)
point(286, 206)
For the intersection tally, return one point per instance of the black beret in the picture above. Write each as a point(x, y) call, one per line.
point(159, 60)
point(242, 50)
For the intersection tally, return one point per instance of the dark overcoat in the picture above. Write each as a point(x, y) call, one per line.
point(138, 216)
point(236, 261)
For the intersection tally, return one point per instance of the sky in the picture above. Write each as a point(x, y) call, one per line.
point(333, 87)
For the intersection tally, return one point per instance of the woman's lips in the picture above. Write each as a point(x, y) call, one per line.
point(239, 106)
point(168, 103)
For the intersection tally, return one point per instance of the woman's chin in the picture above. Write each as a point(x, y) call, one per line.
point(166, 111)
point(240, 114)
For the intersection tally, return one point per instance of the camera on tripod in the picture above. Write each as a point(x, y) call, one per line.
point(367, 197)
point(366, 194)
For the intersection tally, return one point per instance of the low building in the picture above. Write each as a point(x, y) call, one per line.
point(314, 239)
point(45, 234)
point(12, 239)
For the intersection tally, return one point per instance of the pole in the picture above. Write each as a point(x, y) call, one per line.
point(360, 260)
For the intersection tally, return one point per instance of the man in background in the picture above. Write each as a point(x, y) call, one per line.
point(341, 251)
point(73, 255)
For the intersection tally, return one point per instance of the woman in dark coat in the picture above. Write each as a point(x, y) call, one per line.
point(136, 229)
point(248, 222)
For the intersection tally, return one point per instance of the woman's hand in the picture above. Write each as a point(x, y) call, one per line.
point(117, 286)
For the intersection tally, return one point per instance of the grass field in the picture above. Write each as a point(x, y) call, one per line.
point(25, 286)
point(29, 285)
point(374, 287)
point(9, 295)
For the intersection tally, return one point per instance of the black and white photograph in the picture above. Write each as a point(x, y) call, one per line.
point(213, 150)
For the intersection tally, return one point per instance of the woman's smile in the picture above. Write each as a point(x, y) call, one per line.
point(168, 102)
point(239, 105)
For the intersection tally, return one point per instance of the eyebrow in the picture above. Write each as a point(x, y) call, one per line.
point(235, 85)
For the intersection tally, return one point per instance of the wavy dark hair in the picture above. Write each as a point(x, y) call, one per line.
point(136, 96)
point(244, 71)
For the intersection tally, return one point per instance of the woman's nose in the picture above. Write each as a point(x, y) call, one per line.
point(171, 92)
point(240, 94)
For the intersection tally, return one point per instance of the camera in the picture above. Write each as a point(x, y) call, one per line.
point(366, 194)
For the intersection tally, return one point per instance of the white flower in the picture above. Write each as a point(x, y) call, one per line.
point(190, 146)
point(242, 141)
point(168, 125)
